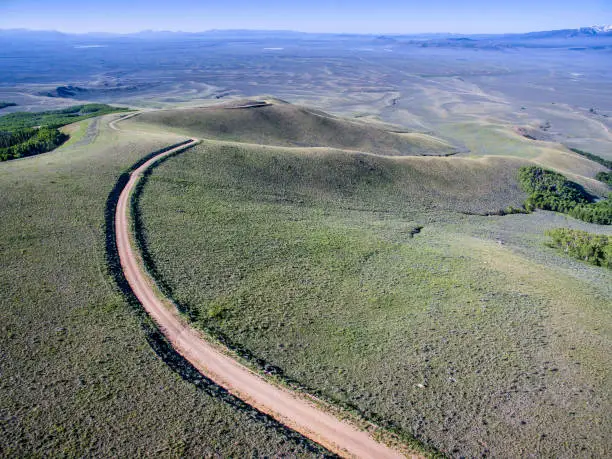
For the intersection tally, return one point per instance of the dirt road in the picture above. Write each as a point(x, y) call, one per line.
point(291, 409)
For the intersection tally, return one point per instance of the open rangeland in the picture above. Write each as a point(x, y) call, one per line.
point(84, 372)
point(323, 250)
point(293, 410)
point(374, 283)
point(388, 285)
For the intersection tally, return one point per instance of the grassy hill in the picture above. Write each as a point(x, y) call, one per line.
point(280, 123)
point(480, 186)
point(377, 278)
point(362, 279)
point(83, 374)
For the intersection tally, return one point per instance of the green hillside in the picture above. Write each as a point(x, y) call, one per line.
point(362, 279)
point(288, 125)
point(83, 373)
point(384, 280)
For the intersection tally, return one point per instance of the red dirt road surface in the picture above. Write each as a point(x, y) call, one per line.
point(289, 408)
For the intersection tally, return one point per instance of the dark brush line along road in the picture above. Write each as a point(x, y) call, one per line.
point(291, 409)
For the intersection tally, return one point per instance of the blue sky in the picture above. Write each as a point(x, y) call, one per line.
point(365, 16)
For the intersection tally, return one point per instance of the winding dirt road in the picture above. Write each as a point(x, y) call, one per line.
point(289, 408)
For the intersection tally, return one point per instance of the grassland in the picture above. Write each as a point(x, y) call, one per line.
point(83, 372)
point(602, 176)
point(477, 99)
point(365, 280)
point(592, 157)
point(280, 123)
point(78, 131)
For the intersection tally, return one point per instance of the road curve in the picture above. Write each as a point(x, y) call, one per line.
point(287, 407)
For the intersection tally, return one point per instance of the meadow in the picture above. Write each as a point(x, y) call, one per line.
point(83, 370)
point(371, 282)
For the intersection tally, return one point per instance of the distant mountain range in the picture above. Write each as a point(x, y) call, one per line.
point(599, 29)
point(592, 31)
point(48, 35)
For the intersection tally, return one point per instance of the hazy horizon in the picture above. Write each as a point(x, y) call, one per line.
point(316, 16)
point(296, 31)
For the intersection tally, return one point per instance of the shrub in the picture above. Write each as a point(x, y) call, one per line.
point(605, 177)
point(591, 248)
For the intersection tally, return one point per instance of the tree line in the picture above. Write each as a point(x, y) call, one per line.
point(30, 142)
point(605, 177)
point(549, 190)
point(31, 133)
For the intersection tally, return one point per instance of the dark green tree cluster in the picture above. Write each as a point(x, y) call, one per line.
point(591, 248)
point(8, 139)
point(26, 134)
point(35, 141)
point(598, 212)
point(592, 157)
point(605, 177)
point(6, 104)
point(549, 190)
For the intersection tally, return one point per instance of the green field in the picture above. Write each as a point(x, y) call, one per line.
point(371, 282)
point(83, 372)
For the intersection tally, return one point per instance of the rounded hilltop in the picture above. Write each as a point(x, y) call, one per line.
point(272, 121)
